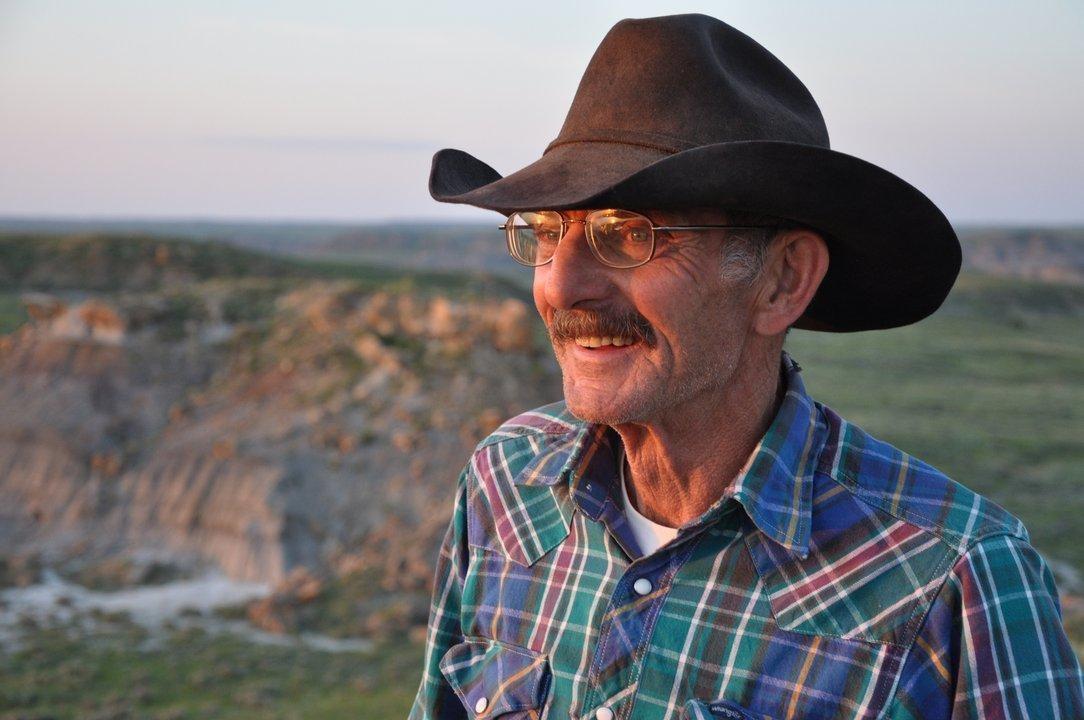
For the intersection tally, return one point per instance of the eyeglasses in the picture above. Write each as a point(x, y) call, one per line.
point(618, 238)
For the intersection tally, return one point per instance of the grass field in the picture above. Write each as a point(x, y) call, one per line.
point(116, 671)
point(12, 314)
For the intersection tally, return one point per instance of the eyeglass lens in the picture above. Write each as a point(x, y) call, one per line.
point(533, 236)
point(619, 238)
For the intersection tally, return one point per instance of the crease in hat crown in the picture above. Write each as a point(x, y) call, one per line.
point(677, 82)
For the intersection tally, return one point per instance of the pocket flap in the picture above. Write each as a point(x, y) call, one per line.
point(508, 677)
point(527, 523)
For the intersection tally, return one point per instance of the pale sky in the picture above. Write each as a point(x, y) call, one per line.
point(322, 110)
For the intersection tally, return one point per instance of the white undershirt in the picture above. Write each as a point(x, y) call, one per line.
point(650, 536)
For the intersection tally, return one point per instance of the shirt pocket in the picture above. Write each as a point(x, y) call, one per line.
point(495, 679)
point(719, 710)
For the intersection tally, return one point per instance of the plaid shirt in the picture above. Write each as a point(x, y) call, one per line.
point(838, 577)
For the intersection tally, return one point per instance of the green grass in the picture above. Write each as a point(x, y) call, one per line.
point(12, 312)
point(193, 674)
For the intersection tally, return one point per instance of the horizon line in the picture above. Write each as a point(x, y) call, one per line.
point(403, 220)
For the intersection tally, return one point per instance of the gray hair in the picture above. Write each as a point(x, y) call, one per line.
point(746, 250)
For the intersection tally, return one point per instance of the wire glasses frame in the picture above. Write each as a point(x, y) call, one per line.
point(617, 238)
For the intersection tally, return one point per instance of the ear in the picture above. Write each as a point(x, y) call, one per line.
point(796, 264)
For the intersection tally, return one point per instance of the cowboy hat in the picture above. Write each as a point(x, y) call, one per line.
point(685, 111)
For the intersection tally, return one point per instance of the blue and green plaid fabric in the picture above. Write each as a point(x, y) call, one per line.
point(838, 578)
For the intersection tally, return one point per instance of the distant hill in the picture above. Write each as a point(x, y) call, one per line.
point(1037, 253)
point(1048, 254)
point(109, 262)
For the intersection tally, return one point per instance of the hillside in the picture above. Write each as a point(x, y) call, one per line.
point(196, 405)
point(1049, 254)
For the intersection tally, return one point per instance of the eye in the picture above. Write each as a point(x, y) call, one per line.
point(547, 233)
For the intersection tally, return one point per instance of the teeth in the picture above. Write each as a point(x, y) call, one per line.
point(595, 342)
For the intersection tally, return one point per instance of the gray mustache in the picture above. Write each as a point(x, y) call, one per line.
point(572, 324)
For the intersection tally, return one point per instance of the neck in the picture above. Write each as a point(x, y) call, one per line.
point(683, 461)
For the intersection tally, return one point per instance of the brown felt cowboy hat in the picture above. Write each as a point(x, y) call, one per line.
point(686, 111)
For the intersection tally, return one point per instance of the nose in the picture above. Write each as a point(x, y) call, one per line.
point(574, 277)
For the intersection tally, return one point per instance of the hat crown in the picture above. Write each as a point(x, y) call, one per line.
point(681, 81)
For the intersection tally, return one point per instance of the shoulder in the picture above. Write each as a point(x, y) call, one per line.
point(890, 526)
point(551, 420)
point(999, 603)
point(521, 440)
point(517, 505)
point(892, 482)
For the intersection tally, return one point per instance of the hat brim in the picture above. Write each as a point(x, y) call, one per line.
point(893, 254)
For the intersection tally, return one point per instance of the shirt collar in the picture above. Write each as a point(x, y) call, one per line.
point(775, 486)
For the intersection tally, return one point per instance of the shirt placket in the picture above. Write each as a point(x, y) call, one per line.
point(638, 598)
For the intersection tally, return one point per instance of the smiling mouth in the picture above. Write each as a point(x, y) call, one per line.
point(599, 342)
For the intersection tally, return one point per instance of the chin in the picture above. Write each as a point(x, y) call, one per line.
point(596, 407)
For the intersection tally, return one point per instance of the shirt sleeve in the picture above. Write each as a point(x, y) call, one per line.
point(992, 644)
point(435, 699)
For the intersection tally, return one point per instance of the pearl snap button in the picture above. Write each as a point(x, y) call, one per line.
point(480, 705)
point(642, 586)
point(604, 713)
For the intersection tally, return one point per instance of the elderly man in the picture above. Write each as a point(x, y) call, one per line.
point(689, 534)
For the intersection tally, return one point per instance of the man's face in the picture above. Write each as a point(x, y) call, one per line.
point(688, 324)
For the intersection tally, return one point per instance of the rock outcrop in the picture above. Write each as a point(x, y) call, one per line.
point(322, 436)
